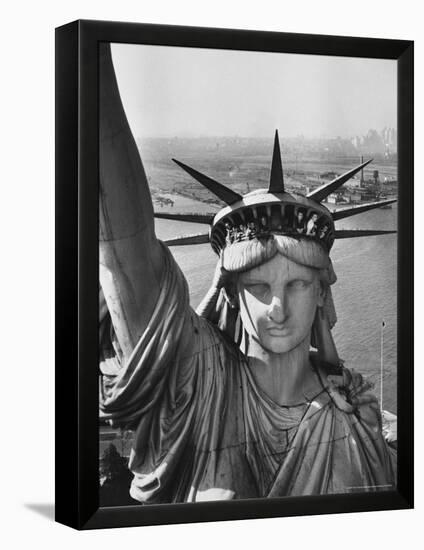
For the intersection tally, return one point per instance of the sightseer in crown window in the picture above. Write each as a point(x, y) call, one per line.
point(245, 397)
point(228, 231)
point(311, 226)
point(323, 231)
point(300, 222)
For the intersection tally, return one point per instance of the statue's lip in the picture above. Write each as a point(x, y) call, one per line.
point(278, 329)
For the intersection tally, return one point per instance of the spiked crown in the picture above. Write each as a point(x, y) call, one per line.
point(272, 211)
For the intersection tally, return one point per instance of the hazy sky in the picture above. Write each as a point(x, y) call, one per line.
point(170, 91)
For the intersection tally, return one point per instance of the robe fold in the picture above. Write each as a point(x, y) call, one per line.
point(204, 430)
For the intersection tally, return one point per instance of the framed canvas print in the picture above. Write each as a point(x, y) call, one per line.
point(234, 274)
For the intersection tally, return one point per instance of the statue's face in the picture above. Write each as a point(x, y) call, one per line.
point(278, 301)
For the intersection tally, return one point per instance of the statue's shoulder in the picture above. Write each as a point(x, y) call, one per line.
point(208, 334)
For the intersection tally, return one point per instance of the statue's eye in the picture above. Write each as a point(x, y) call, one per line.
point(299, 284)
point(257, 289)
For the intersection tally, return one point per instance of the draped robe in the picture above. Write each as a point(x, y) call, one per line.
point(204, 430)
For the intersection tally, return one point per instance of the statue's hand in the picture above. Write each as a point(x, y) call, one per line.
point(221, 276)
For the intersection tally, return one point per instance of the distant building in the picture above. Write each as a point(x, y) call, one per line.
point(329, 175)
point(368, 195)
point(336, 198)
point(355, 197)
point(374, 142)
point(355, 183)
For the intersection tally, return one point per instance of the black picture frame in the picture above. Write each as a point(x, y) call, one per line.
point(77, 485)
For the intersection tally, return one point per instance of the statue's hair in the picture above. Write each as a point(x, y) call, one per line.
point(245, 255)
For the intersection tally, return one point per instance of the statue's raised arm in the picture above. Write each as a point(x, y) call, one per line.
point(130, 255)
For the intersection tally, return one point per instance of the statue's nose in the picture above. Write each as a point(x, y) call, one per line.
point(277, 311)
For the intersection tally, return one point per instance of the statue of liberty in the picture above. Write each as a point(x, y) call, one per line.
point(245, 397)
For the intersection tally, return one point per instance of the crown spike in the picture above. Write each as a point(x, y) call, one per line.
point(192, 218)
point(199, 238)
point(222, 192)
point(276, 181)
point(351, 233)
point(358, 209)
point(323, 191)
